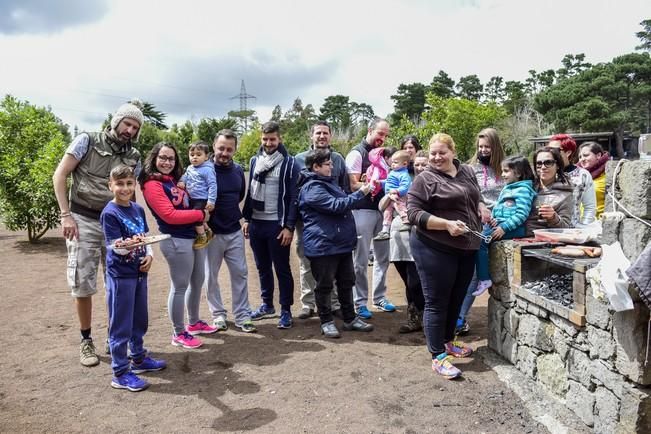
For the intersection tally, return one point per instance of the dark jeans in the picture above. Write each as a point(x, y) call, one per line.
point(268, 252)
point(445, 277)
point(413, 288)
point(198, 204)
point(326, 270)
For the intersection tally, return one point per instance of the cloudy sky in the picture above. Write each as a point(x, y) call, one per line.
point(86, 57)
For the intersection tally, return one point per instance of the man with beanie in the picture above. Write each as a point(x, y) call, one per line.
point(89, 159)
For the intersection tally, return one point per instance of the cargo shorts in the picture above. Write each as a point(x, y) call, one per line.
point(84, 256)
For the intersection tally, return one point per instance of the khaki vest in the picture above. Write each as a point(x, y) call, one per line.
point(90, 178)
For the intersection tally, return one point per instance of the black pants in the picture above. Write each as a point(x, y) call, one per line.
point(326, 270)
point(413, 288)
point(445, 277)
point(198, 204)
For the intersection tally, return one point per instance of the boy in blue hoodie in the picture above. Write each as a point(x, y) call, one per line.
point(396, 187)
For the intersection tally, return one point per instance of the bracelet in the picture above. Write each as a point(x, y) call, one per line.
point(65, 214)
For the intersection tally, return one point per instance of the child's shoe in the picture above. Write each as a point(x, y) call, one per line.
point(482, 286)
point(200, 328)
point(220, 323)
point(457, 349)
point(384, 235)
point(200, 242)
point(147, 365)
point(442, 366)
point(209, 233)
point(186, 340)
point(129, 381)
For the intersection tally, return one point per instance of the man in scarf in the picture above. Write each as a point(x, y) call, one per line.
point(89, 160)
point(270, 212)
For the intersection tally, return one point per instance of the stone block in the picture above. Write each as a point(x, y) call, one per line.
point(535, 333)
point(495, 316)
point(634, 411)
point(581, 401)
point(501, 265)
point(578, 367)
point(632, 187)
point(634, 237)
point(567, 327)
point(597, 313)
point(552, 373)
point(580, 342)
point(560, 342)
point(509, 348)
point(526, 361)
point(630, 334)
point(537, 310)
point(605, 376)
point(602, 344)
point(606, 411)
point(610, 229)
point(511, 320)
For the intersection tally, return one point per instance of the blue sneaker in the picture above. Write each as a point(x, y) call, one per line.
point(364, 313)
point(148, 365)
point(129, 381)
point(285, 321)
point(263, 311)
point(385, 305)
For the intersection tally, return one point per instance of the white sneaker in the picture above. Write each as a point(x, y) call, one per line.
point(220, 323)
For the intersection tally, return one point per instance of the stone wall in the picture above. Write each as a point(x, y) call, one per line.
point(597, 370)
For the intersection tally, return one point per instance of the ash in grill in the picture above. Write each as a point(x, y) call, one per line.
point(556, 288)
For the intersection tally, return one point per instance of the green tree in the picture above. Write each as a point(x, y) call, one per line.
point(516, 95)
point(644, 36)
point(442, 85)
point(362, 113)
point(409, 101)
point(31, 144)
point(611, 96)
point(207, 128)
point(248, 145)
point(470, 87)
point(336, 111)
point(495, 91)
point(276, 114)
point(573, 64)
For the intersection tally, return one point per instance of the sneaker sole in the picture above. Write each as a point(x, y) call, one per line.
point(188, 347)
point(142, 371)
point(247, 331)
point(285, 326)
point(90, 364)
point(447, 377)
point(460, 356)
point(201, 332)
point(383, 309)
point(266, 315)
point(130, 389)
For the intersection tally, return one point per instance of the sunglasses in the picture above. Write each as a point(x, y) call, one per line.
point(546, 163)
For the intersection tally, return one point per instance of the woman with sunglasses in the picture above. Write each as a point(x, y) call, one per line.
point(554, 204)
point(170, 206)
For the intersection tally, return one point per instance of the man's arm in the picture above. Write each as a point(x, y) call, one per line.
point(59, 180)
point(354, 169)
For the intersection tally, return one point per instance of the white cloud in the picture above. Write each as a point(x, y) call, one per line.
point(188, 58)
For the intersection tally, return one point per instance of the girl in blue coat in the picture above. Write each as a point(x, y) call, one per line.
point(329, 237)
point(509, 213)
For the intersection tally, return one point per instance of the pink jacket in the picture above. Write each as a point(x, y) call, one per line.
point(378, 170)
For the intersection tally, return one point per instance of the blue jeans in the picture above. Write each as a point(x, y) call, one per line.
point(444, 277)
point(482, 253)
point(268, 253)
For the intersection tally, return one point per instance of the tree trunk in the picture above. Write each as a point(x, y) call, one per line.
point(619, 142)
point(33, 234)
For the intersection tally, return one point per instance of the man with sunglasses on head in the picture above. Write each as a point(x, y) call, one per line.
point(89, 160)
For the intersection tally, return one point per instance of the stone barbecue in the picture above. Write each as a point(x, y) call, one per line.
point(587, 356)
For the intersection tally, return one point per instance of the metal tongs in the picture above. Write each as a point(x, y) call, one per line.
point(486, 238)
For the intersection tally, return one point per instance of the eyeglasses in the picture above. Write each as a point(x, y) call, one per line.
point(163, 158)
point(546, 163)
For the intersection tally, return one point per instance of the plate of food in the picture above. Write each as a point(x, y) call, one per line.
point(139, 240)
point(571, 236)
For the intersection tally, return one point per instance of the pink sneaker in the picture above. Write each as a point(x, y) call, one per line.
point(442, 366)
point(457, 349)
point(200, 328)
point(186, 340)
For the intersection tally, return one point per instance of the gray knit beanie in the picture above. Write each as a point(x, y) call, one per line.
point(129, 110)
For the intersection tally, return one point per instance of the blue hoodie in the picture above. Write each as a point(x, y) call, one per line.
point(514, 205)
point(329, 226)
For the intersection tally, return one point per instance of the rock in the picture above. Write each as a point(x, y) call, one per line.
point(560, 342)
point(509, 348)
point(580, 341)
point(501, 267)
point(511, 320)
point(606, 411)
point(602, 345)
point(635, 411)
point(535, 333)
point(604, 376)
point(537, 310)
point(552, 374)
point(630, 333)
point(563, 324)
point(610, 229)
point(578, 367)
point(632, 187)
point(597, 312)
point(580, 401)
point(526, 361)
point(495, 314)
point(637, 237)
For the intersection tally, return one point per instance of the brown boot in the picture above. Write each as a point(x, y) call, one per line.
point(414, 320)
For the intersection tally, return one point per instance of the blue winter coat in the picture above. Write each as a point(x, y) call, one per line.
point(514, 205)
point(328, 223)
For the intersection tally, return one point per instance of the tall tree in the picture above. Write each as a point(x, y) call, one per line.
point(336, 110)
point(207, 128)
point(495, 91)
point(409, 101)
point(573, 64)
point(442, 85)
point(644, 36)
point(470, 87)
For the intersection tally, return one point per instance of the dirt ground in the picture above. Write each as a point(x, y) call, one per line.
point(282, 381)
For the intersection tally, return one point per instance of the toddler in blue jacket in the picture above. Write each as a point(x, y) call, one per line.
point(396, 187)
point(509, 213)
